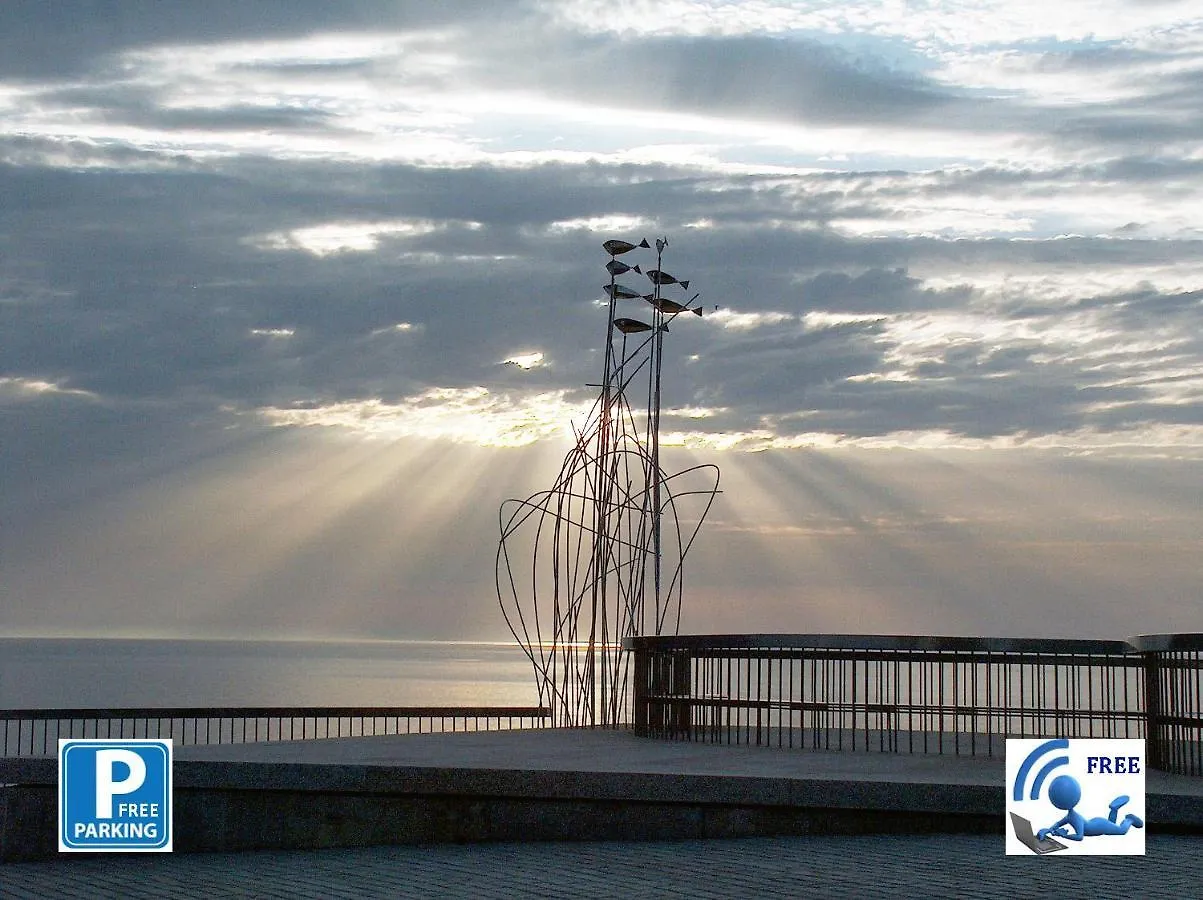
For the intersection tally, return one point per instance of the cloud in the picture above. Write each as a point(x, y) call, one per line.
point(743, 77)
point(340, 237)
point(530, 360)
point(461, 415)
point(41, 40)
point(251, 214)
point(265, 265)
point(148, 309)
point(18, 389)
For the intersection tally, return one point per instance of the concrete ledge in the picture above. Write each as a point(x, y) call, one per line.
point(215, 819)
point(532, 786)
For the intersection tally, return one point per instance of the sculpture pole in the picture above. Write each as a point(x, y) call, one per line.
point(596, 532)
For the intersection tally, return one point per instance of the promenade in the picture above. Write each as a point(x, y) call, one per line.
point(520, 813)
point(889, 867)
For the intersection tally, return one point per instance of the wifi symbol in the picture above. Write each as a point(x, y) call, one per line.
point(1045, 771)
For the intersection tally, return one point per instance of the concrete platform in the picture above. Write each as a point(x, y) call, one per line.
point(551, 785)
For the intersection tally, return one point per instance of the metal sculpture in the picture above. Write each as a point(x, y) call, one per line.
point(597, 563)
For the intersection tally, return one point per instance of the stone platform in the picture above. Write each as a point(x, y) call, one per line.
point(544, 785)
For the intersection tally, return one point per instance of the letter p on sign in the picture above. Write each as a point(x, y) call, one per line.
point(107, 762)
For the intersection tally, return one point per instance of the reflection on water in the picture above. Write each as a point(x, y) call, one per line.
point(49, 673)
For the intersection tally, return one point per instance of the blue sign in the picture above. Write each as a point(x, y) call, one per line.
point(1083, 796)
point(114, 796)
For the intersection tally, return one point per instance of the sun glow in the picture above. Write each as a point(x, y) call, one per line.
point(31, 388)
point(342, 237)
point(938, 542)
point(472, 415)
point(300, 534)
point(530, 360)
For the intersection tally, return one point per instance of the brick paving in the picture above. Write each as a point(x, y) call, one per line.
point(894, 867)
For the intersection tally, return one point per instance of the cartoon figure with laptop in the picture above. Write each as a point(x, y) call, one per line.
point(1064, 793)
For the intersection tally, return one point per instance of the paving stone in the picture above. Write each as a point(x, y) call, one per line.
point(875, 866)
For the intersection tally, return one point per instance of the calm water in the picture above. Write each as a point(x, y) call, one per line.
point(46, 673)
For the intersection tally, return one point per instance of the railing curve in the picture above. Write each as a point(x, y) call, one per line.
point(921, 693)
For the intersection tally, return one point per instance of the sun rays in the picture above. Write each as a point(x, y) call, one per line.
point(304, 532)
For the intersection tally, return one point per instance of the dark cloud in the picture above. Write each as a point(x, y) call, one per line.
point(744, 77)
point(38, 39)
point(1146, 172)
point(152, 286)
point(799, 383)
point(1130, 309)
point(875, 290)
point(143, 107)
point(144, 276)
point(781, 368)
point(750, 77)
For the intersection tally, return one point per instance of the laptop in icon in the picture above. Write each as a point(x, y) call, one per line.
point(1023, 831)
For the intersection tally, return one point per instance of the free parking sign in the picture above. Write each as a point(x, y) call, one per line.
point(114, 796)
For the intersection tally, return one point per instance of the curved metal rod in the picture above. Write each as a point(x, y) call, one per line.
point(579, 565)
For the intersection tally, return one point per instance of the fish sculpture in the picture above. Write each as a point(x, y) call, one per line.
point(659, 277)
point(621, 291)
point(631, 326)
point(614, 267)
point(616, 247)
point(670, 307)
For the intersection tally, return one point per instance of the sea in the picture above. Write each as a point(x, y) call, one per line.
point(56, 673)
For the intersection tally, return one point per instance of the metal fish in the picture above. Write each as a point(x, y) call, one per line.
point(631, 326)
point(616, 247)
point(614, 267)
point(670, 307)
point(621, 291)
point(659, 277)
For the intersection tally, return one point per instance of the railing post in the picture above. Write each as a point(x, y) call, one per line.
point(680, 707)
point(639, 695)
point(1155, 743)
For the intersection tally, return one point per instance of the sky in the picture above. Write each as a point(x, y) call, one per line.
point(294, 294)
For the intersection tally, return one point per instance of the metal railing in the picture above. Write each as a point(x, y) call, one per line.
point(1174, 700)
point(917, 694)
point(36, 732)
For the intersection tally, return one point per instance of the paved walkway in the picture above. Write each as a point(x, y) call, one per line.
point(611, 751)
point(874, 866)
point(621, 752)
point(822, 867)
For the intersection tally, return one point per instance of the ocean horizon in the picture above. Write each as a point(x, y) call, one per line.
point(90, 672)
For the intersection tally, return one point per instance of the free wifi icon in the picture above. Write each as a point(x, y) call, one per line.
point(1043, 753)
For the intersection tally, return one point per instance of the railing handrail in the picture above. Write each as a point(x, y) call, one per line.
point(1167, 643)
point(878, 642)
point(272, 712)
